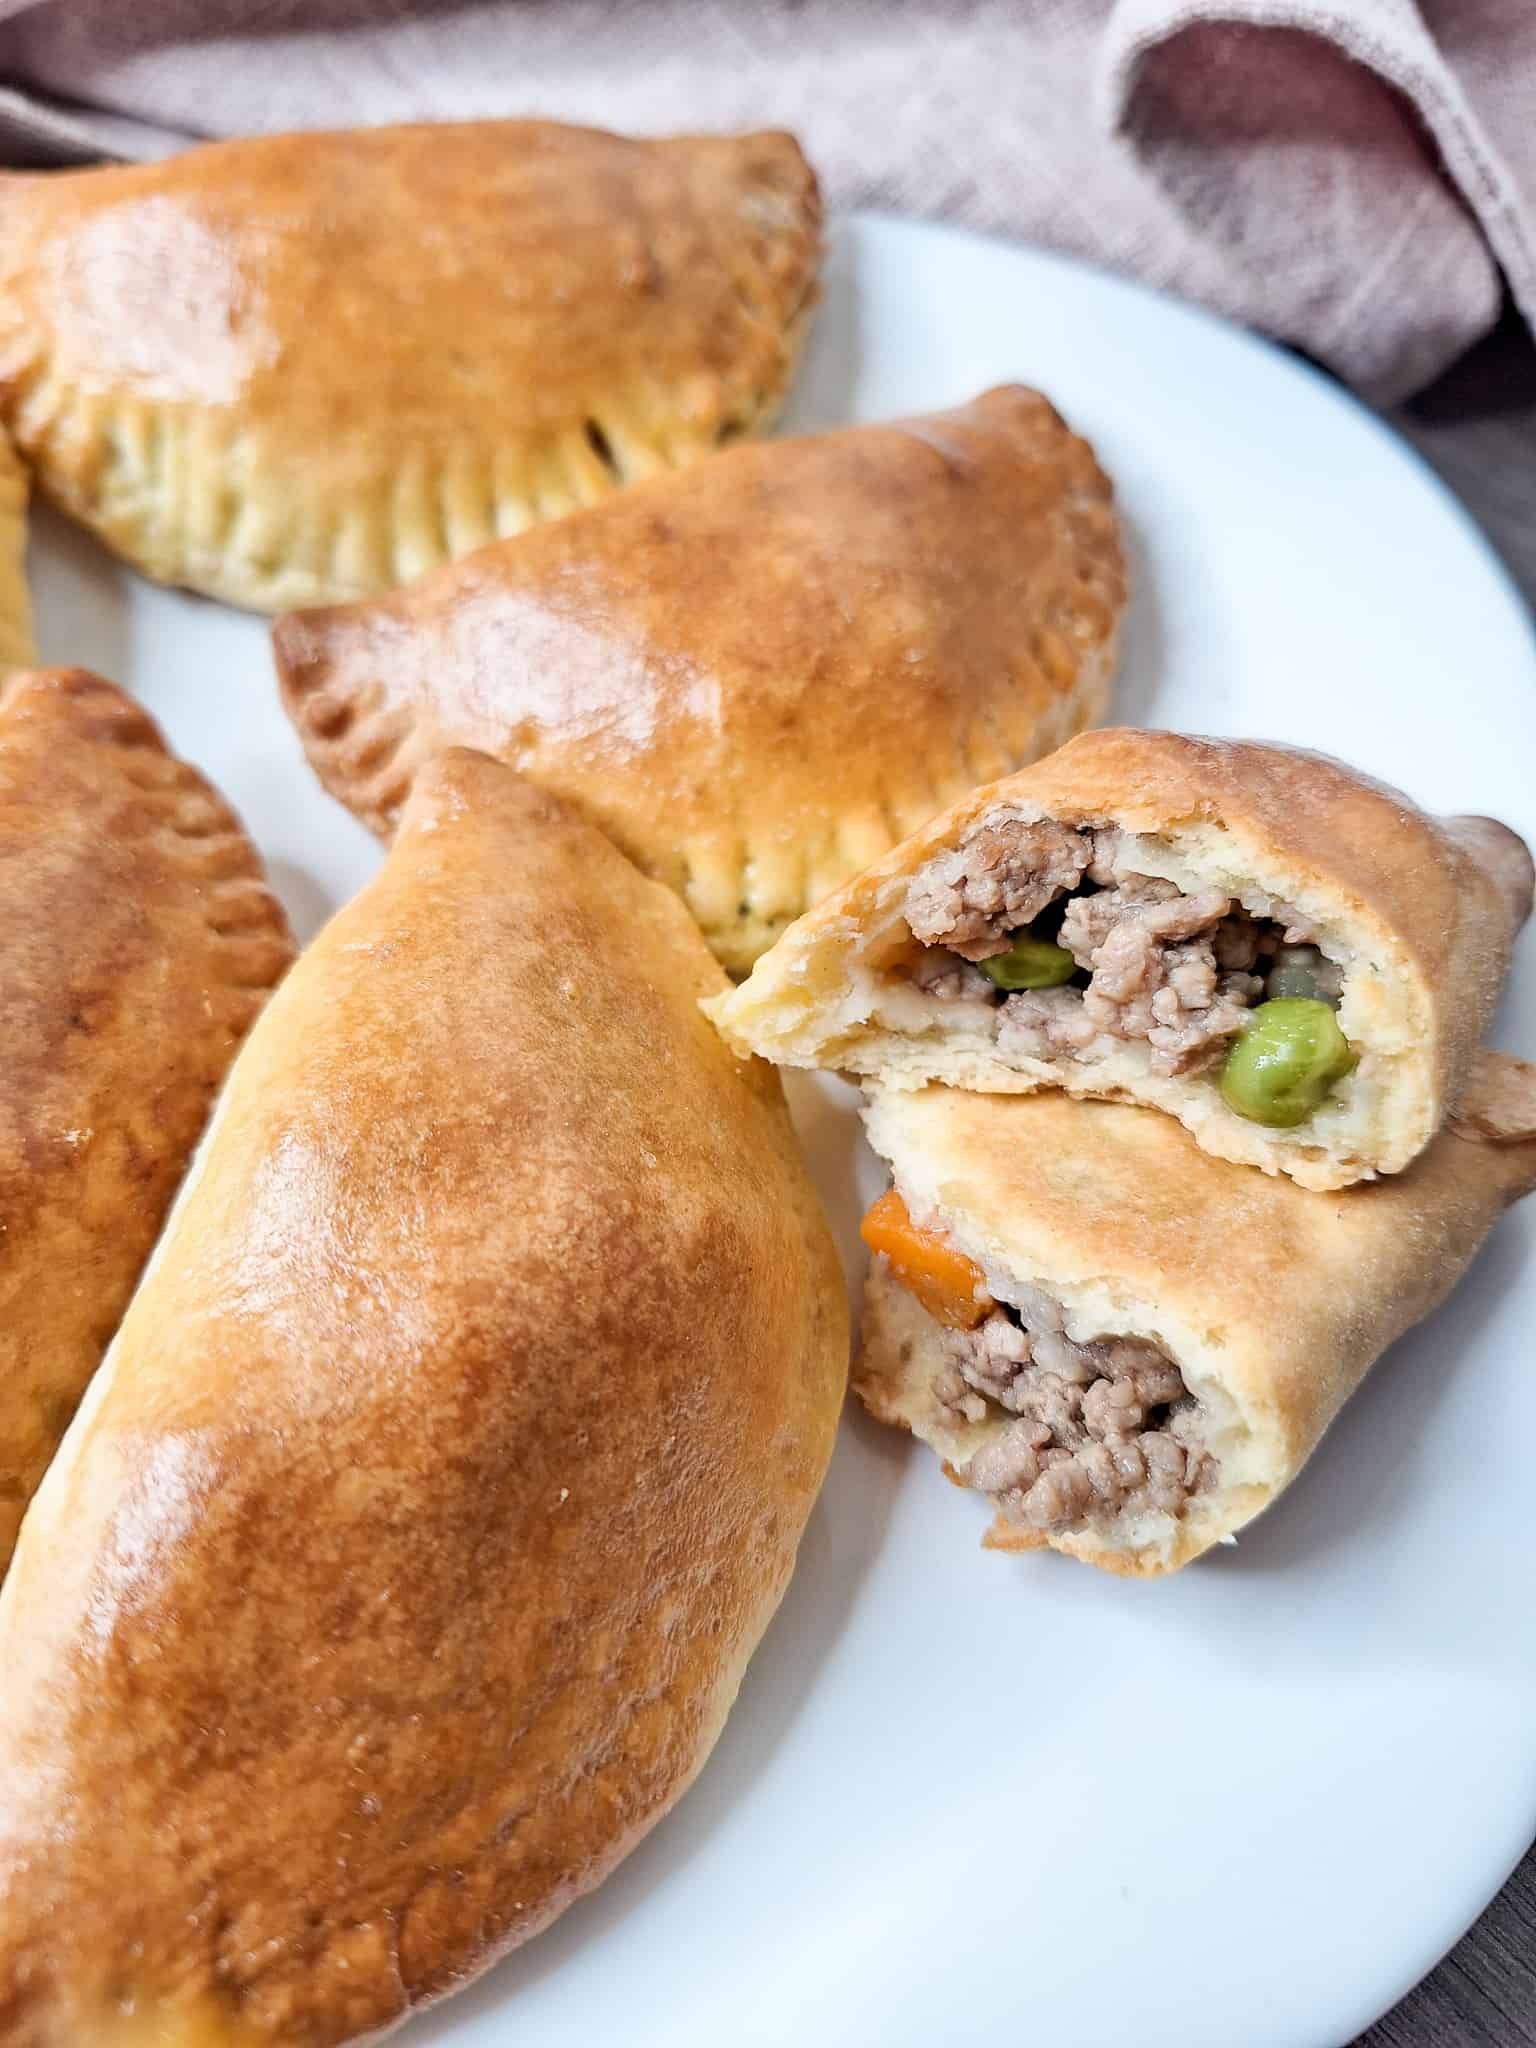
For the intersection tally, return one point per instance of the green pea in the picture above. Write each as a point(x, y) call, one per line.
point(1029, 963)
point(1282, 1067)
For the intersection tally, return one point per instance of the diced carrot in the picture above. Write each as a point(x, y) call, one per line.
point(925, 1262)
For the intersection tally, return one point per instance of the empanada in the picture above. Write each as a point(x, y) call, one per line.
point(295, 369)
point(137, 943)
point(1133, 1347)
point(756, 677)
point(402, 1564)
point(1288, 957)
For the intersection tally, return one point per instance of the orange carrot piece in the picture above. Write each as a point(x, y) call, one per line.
point(944, 1280)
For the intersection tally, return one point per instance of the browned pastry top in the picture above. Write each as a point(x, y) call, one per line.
point(386, 279)
point(137, 943)
point(443, 1476)
point(759, 674)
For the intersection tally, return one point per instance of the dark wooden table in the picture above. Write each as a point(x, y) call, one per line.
point(1478, 427)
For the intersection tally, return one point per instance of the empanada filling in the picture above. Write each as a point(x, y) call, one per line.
point(1073, 1431)
point(1051, 927)
point(1091, 1431)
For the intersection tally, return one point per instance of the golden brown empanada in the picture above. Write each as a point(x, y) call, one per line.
point(137, 943)
point(403, 1562)
point(758, 676)
point(1133, 1347)
point(1118, 921)
point(299, 368)
point(17, 647)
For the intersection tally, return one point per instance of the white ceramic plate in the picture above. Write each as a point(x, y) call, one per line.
point(966, 1797)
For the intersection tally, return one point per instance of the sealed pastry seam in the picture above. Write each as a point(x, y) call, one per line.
point(141, 943)
point(188, 501)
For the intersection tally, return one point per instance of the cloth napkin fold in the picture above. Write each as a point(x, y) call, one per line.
point(1349, 175)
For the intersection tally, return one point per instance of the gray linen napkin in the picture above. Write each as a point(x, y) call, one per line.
point(1356, 177)
point(1347, 174)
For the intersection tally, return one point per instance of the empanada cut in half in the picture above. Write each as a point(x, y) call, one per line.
point(402, 1564)
point(294, 369)
point(17, 647)
point(761, 674)
point(137, 943)
point(1290, 958)
point(1131, 1347)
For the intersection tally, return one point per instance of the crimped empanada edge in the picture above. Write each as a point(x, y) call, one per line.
point(193, 826)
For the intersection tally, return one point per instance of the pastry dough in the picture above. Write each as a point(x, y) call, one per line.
point(1272, 1302)
point(401, 1566)
point(298, 368)
point(1419, 915)
point(17, 648)
point(761, 674)
point(137, 943)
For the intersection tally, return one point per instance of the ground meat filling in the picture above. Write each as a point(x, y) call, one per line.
point(1178, 972)
point(1099, 1429)
point(1002, 877)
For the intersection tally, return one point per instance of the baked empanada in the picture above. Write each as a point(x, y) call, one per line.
point(137, 943)
point(756, 677)
point(1286, 956)
point(299, 368)
point(402, 1564)
point(1130, 1346)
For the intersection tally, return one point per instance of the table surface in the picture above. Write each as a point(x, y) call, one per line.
point(1477, 426)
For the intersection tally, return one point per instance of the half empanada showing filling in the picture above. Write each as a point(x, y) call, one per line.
point(1288, 957)
point(295, 369)
point(758, 675)
point(1075, 1306)
point(1057, 1429)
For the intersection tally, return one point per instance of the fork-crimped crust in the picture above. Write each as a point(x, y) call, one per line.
point(137, 944)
